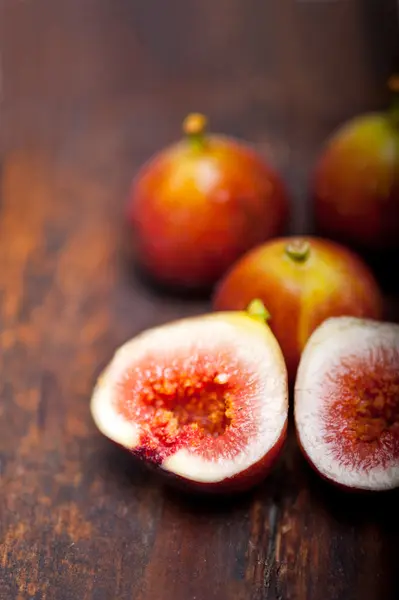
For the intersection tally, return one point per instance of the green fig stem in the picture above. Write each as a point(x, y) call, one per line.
point(393, 86)
point(258, 310)
point(194, 127)
point(298, 250)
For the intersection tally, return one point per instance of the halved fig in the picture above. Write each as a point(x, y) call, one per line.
point(204, 398)
point(347, 402)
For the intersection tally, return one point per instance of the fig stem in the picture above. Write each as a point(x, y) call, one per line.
point(194, 128)
point(258, 310)
point(298, 250)
point(393, 86)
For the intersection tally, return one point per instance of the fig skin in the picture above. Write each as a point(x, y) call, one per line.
point(355, 184)
point(199, 204)
point(327, 480)
point(240, 483)
point(340, 487)
point(330, 280)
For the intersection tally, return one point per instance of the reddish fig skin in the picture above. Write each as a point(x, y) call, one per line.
point(198, 205)
point(339, 486)
point(240, 483)
point(355, 184)
point(300, 293)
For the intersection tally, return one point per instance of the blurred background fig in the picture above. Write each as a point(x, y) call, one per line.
point(302, 281)
point(355, 185)
point(201, 203)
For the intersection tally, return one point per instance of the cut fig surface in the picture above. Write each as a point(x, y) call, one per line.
point(347, 402)
point(204, 398)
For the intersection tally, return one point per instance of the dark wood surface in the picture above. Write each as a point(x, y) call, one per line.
point(89, 90)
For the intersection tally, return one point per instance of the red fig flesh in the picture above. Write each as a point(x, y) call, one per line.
point(203, 398)
point(347, 403)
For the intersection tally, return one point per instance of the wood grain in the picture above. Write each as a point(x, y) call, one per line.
point(89, 89)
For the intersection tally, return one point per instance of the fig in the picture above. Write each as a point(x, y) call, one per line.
point(199, 204)
point(302, 281)
point(355, 184)
point(347, 403)
point(202, 399)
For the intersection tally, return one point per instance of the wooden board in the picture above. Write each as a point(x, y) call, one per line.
point(89, 90)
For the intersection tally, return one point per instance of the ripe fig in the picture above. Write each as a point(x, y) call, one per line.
point(347, 403)
point(302, 281)
point(201, 203)
point(355, 185)
point(204, 399)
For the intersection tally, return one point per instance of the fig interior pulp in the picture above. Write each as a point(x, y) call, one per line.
point(199, 204)
point(203, 398)
point(347, 402)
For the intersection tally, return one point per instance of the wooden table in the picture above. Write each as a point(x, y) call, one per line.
point(89, 90)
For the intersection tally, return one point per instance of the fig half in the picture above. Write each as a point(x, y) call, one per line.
point(204, 398)
point(347, 403)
